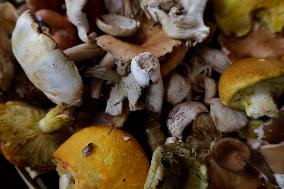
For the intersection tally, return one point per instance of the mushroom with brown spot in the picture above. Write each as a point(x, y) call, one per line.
point(182, 115)
point(113, 162)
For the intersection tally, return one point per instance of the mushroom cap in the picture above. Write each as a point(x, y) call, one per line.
point(116, 159)
point(117, 25)
point(231, 154)
point(246, 73)
point(48, 68)
point(22, 141)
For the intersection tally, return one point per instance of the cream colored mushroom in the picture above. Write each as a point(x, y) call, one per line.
point(45, 65)
point(181, 19)
point(79, 19)
point(226, 119)
point(182, 115)
point(117, 25)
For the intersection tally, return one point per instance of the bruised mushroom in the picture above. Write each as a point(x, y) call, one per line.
point(181, 19)
point(231, 154)
point(237, 17)
point(8, 17)
point(175, 166)
point(226, 119)
point(114, 161)
point(46, 65)
point(117, 25)
point(25, 134)
point(251, 84)
point(182, 115)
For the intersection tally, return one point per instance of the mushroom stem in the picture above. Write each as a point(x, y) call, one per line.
point(65, 181)
point(58, 117)
point(259, 102)
point(83, 52)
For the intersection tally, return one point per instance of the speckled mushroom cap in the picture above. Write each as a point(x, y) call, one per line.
point(246, 73)
point(111, 158)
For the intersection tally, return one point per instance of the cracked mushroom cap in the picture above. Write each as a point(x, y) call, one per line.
point(103, 157)
point(246, 73)
point(46, 66)
point(231, 154)
point(22, 141)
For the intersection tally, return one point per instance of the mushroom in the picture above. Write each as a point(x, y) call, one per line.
point(113, 161)
point(237, 18)
point(182, 115)
point(8, 17)
point(181, 19)
point(46, 65)
point(25, 135)
point(145, 72)
point(54, 5)
point(128, 8)
point(178, 88)
point(250, 85)
point(273, 153)
point(79, 19)
point(231, 154)
point(204, 134)
point(58, 27)
point(226, 119)
point(259, 43)
point(117, 25)
point(175, 166)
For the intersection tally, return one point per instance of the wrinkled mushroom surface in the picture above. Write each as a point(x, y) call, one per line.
point(45, 65)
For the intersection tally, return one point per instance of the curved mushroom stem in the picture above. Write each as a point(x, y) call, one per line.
point(58, 117)
point(259, 102)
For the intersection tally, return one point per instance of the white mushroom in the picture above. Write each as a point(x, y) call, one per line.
point(65, 181)
point(210, 88)
point(45, 65)
point(226, 119)
point(182, 19)
point(79, 19)
point(178, 88)
point(117, 25)
point(214, 57)
point(129, 8)
point(145, 72)
point(182, 115)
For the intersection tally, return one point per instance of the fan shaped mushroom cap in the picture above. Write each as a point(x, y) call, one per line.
point(103, 157)
point(46, 65)
point(231, 154)
point(244, 74)
point(117, 25)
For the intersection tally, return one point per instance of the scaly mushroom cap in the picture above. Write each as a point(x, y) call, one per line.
point(103, 157)
point(231, 154)
point(236, 17)
point(22, 141)
point(46, 65)
point(246, 73)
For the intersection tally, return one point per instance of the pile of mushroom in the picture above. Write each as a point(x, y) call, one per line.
point(144, 94)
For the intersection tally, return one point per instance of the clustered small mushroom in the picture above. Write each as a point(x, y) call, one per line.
point(202, 96)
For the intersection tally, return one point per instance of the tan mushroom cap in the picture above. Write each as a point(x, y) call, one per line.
point(245, 73)
point(115, 161)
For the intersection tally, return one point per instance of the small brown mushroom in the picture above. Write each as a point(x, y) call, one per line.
point(35, 5)
point(231, 154)
point(155, 135)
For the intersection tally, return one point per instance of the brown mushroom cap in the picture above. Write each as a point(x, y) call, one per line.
point(246, 73)
point(231, 154)
point(115, 161)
